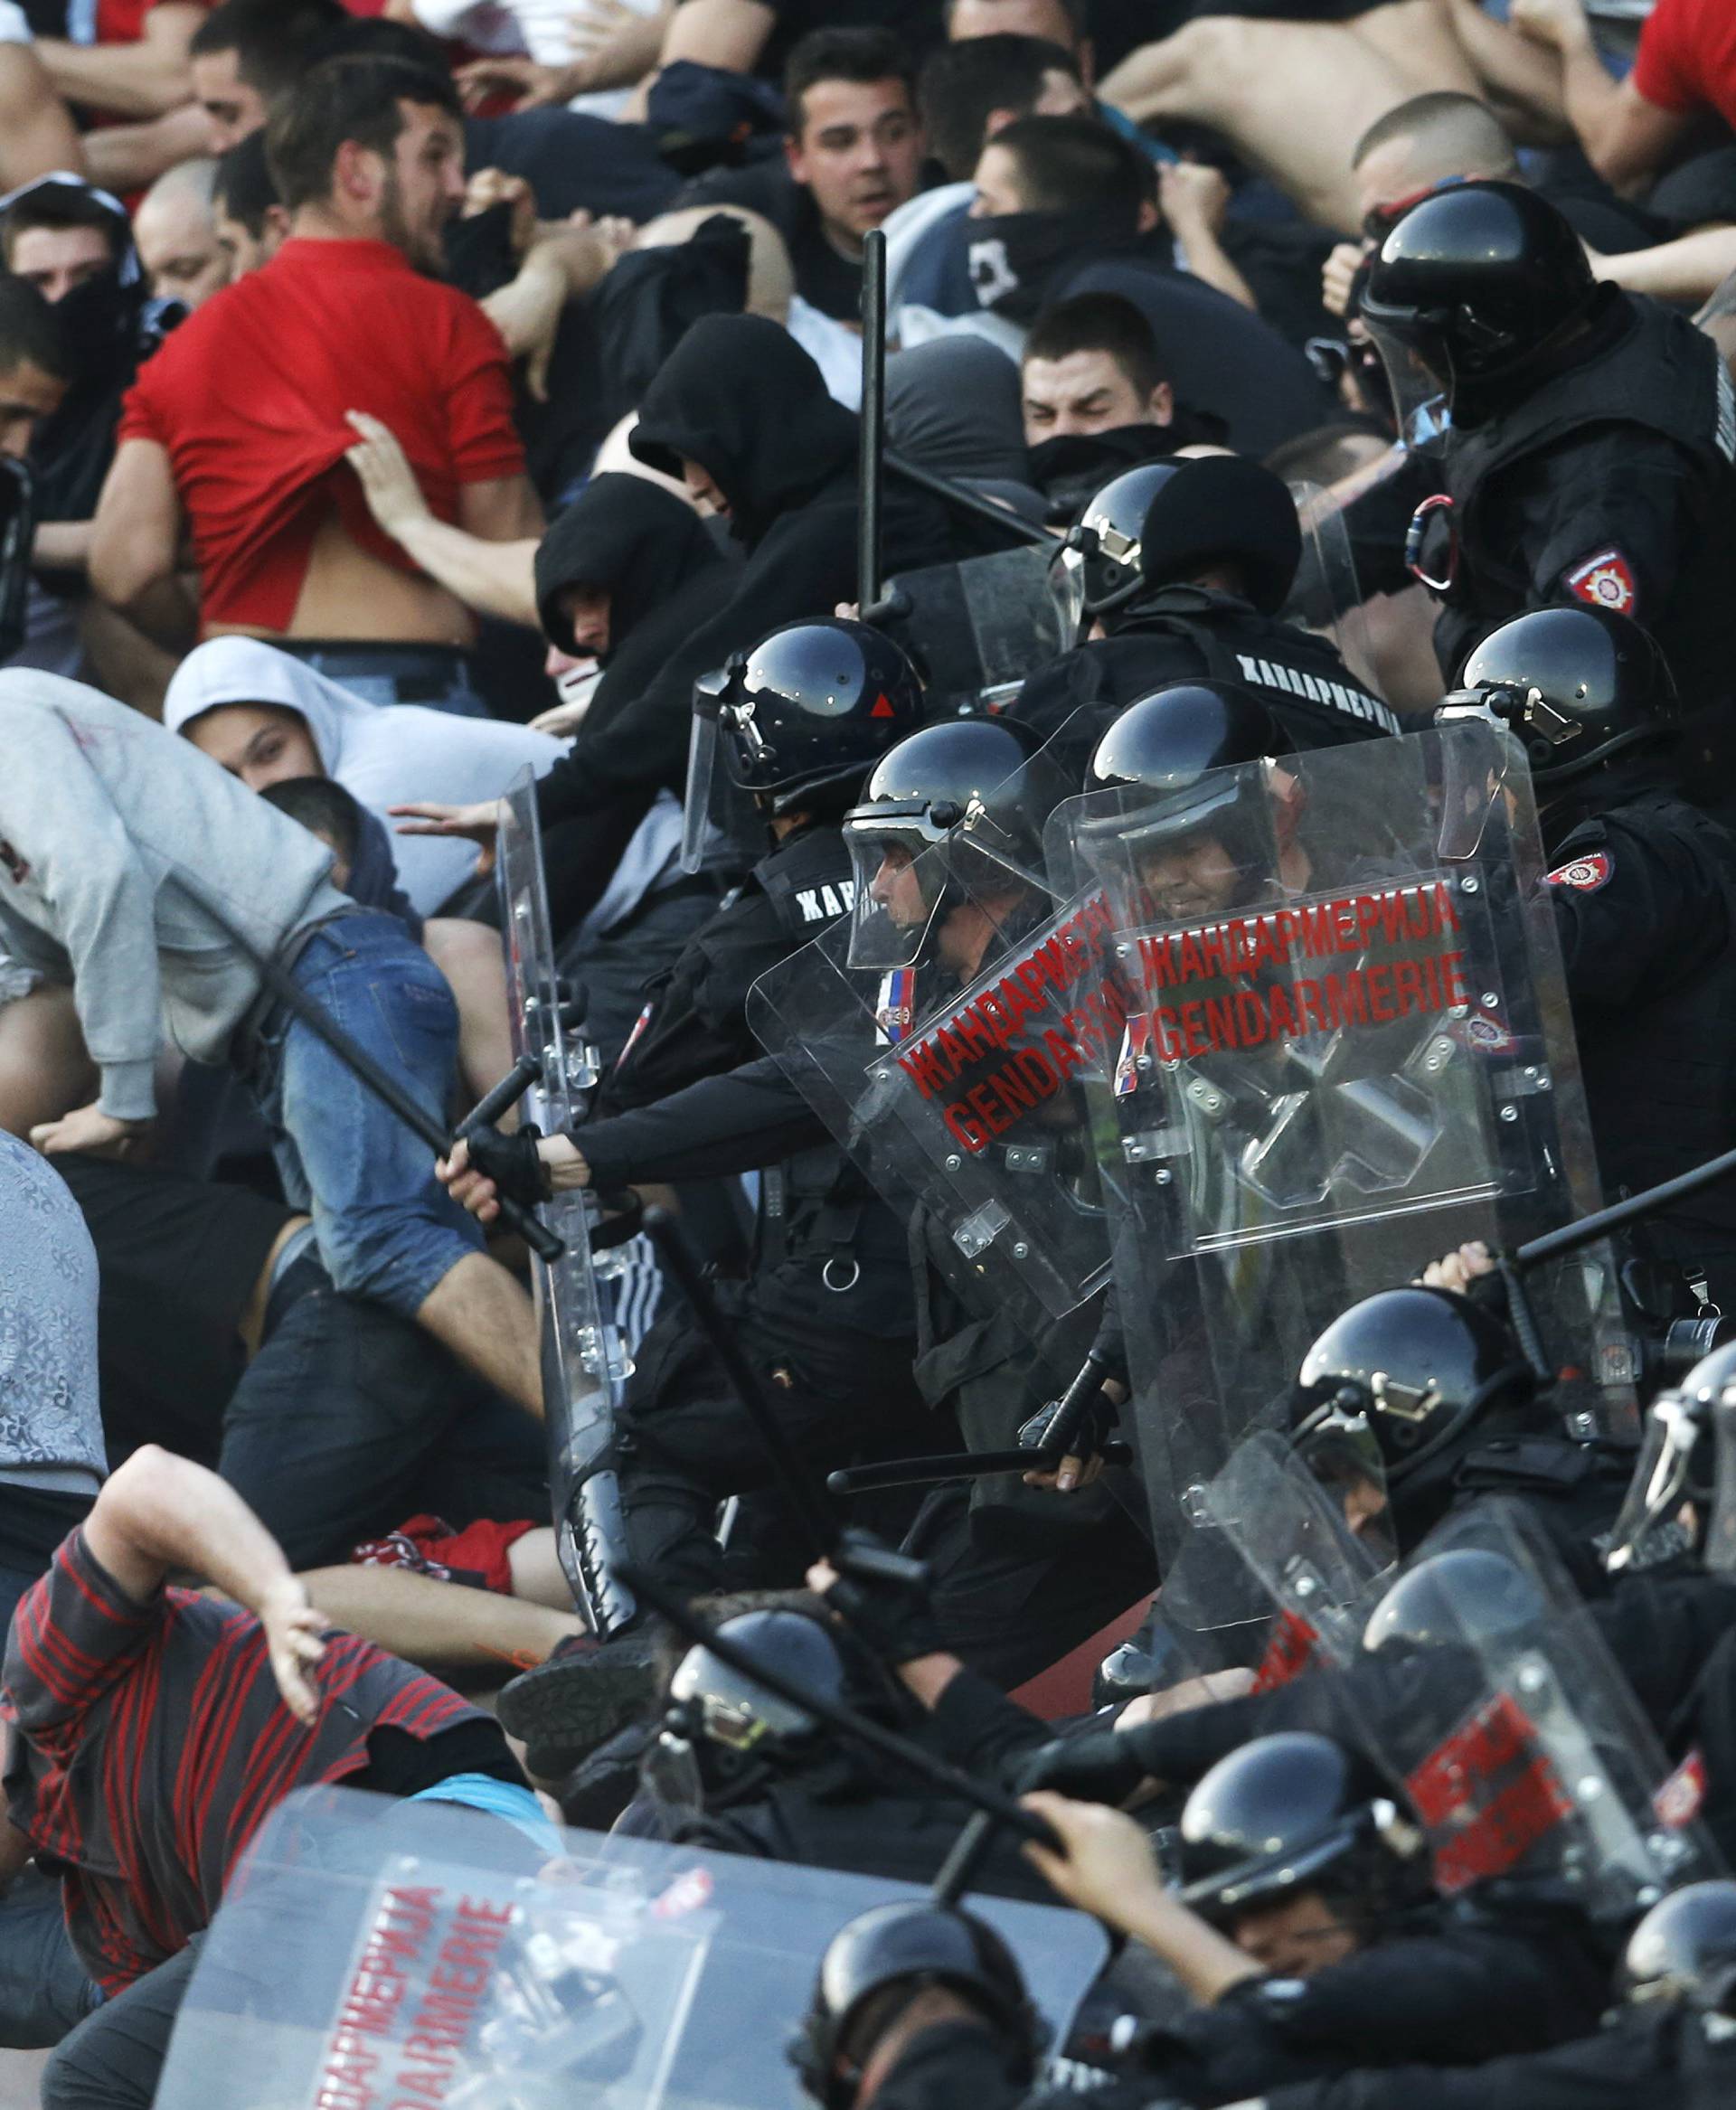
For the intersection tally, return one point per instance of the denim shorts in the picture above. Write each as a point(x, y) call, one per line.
point(387, 1229)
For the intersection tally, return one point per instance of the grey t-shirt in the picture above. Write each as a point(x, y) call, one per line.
point(50, 1421)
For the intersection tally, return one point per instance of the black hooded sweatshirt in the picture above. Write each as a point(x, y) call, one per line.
point(741, 398)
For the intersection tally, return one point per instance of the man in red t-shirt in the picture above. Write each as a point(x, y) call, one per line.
point(151, 1731)
point(1631, 130)
point(238, 427)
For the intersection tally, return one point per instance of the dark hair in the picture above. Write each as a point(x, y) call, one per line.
point(1074, 10)
point(963, 85)
point(244, 190)
point(324, 808)
point(340, 99)
point(1077, 164)
point(272, 39)
point(843, 54)
point(29, 331)
point(1099, 322)
point(373, 36)
point(52, 203)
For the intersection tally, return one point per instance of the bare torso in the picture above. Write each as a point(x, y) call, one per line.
point(349, 593)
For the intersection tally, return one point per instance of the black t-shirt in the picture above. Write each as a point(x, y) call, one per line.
point(918, 25)
point(824, 279)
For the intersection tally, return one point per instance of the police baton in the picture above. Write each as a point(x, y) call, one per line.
point(873, 428)
point(1057, 1440)
point(380, 1081)
point(993, 1806)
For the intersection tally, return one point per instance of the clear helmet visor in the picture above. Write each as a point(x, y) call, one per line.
point(721, 829)
point(1660, 1485)
point(900, 888)
point(1421, 397)
point(1475, 763)
point(1067, 591)
point(1719, 1540)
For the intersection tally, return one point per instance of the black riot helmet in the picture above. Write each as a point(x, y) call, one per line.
point(1287, 1813)
point(1415, 1366)
point(1677, 1464)
point(1166, 741)
point(1163, 523)
point(1685, 1949)
point(811, 707)
point(1577, 684)
point(1473, 281)
point(1466, 1590)
point(737, 1730)
point(876, 1963)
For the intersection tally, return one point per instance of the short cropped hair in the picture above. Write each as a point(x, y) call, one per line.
point(339, 99)
point(244, 190)
point(324, 808)
point(31, 332)
point(1099, 322)
point(272, 39)
point(1458, 127)
point(842, 55)
point(1076, 164)
point(963, 85)
point(54, 204)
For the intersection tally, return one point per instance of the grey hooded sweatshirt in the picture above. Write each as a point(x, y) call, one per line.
point(111, 830)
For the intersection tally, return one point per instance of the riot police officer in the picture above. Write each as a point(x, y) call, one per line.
point(1176, 572)
point(1644, 889)
point(826, 1311)
point(1589, 454)
point(1310, 1936)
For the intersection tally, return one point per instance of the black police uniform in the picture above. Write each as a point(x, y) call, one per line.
point(1186, 633)
point(1645, 901)
point(1610, 480)
point(825, 1314)
point(1454, 1982)
point(1666, 2058)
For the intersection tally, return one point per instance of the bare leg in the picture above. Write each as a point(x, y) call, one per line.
point(439, 1625)
point(1292, 99)
point(538, 1575)
point(489, 1323)
point(44, 1071)
point(469, 955)
point(36, 130)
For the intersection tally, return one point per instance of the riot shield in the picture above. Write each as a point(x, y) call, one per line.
point(1347, 1049)
point(1307, 1582)
point(976, 629)
point(1326, 596)
point(942, 1031)
point(375, 1951)
point(1519, 1744)
point(584, 1361)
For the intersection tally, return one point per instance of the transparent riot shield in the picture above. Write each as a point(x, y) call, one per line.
point(1326, 596)
point(1347, 1049)
point(976, 629)
point(584, 1361)
point(1518, 1742)
point(382, 1952)
point(1313, 1580)
point(943, 1031)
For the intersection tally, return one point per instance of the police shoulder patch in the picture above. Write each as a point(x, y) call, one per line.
point(1605, 581)
point(1587, 874)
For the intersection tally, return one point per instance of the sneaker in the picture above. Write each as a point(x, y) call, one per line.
point(598, 1789)
point(586, 1691)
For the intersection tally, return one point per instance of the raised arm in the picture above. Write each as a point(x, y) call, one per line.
point(160, 1515)
point(145, 78)
point(136, 545)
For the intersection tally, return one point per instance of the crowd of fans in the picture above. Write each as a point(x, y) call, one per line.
point(408, 407)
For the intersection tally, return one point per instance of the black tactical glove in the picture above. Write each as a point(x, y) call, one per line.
point(1102, 1766)
point(1092, 1432)
point(884, 1599)
point(512, 1163)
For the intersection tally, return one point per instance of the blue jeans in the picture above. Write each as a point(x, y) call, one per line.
point(387, 1229)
